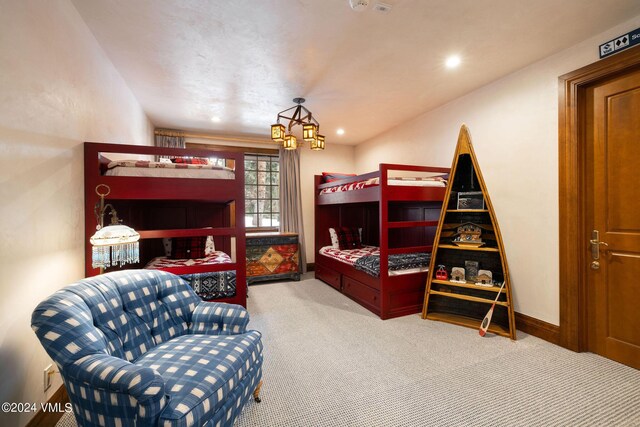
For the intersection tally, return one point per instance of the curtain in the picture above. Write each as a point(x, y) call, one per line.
point(170, 140)
point(291, 199)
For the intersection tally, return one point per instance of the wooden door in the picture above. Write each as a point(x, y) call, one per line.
point(613, 211)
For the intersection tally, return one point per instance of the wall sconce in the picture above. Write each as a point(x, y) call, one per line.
point(115, 244)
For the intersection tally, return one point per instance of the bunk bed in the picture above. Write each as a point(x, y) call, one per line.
point(395, 210)
point(174, 199)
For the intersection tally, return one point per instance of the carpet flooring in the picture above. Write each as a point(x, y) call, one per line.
point(330, 362)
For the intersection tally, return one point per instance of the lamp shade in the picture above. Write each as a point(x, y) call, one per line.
point(309, 132)
point(115, 244)
point(318, 143)
point(290, 142)
point(277, 132)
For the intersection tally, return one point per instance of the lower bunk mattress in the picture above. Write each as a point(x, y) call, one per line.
point(208, 285)
point(367, 259)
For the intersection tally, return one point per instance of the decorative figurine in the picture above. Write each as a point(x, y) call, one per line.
point(441, 273)
point(457, 275)
point(484, 278)
point(468, 234)
point(471, 270)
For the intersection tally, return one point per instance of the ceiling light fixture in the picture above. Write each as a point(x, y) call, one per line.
point(340, 131)
point(453, 61)
point(301, 116)
point(215, 119)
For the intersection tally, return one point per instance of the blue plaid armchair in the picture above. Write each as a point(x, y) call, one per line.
point(139, 347)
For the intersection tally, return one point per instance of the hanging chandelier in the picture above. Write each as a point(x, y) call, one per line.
point(300, 116)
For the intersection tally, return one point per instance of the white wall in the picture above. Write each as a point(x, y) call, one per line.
point(514, 128)
point(57, 89)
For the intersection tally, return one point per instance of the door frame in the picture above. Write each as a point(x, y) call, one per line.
point(572, 190)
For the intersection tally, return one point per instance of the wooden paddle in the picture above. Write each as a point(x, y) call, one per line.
point(487, 319)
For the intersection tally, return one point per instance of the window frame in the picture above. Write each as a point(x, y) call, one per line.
point(273, 158)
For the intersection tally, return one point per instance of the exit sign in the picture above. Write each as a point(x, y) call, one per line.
point(620, 43)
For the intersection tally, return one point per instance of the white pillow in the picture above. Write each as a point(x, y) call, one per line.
point(165, 160)
point(334, 238)
point(209, 246)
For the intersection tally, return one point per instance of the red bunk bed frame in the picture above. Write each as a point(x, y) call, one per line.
point(221, 192)
point(411, 212)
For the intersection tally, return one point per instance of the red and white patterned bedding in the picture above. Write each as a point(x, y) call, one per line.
point(436, 181)
point(349, 256)
point(167, 170)
point(217, 257)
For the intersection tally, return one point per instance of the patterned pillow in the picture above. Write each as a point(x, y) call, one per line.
point(334, 238)
point(190, 160)
point(188, 247)
point(349, 238)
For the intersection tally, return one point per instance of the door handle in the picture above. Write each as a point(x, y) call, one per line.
point(595, 244)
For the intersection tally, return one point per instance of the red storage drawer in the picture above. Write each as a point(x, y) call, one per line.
point(328, 276)
point(362, 293)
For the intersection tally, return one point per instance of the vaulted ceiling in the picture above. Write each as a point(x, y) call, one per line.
point(228, 67)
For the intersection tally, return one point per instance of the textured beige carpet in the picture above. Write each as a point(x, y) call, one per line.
point(329, 362)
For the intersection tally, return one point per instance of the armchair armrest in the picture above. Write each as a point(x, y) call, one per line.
point(214, 318)
point(116, 386)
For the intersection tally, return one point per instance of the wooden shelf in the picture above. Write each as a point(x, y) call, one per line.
point(468, 322)
point(463, 303)
point(468, 298)
point(465, 248)
point(469, 286)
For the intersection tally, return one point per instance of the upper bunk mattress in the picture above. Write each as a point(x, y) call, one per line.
point(367, 259)
point(167, 170)
point(437, 181)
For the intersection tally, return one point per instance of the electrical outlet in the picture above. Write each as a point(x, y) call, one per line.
point(48, 374)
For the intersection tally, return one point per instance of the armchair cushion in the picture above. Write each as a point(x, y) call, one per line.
point(200, 371)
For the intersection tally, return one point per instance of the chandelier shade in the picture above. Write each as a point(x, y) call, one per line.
point(301, 116)
point(309, 132)
point(290, 142)
point(318, 143)
point(278, 132)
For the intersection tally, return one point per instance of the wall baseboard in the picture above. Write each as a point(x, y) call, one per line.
point(538, 328)
point(47, 419)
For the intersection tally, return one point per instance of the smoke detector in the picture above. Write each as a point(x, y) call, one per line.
point(382, 7)
point(359, 5)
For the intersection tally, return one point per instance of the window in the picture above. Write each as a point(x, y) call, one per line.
point(262, 191)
